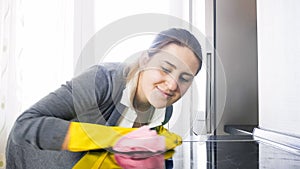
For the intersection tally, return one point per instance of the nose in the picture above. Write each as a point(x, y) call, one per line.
point(171, 83)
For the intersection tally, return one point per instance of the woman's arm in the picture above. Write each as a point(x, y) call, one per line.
point(45, 125)
point(66, 141)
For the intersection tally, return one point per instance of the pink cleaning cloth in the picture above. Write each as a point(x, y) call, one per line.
point(153, 162)
point(141, 140)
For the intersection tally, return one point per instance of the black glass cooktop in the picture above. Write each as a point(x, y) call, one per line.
point(232, 152)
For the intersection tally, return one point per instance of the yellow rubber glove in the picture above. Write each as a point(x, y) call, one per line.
point(172, 140)
point(100, 159)
point(169, 154)
point(87, 136)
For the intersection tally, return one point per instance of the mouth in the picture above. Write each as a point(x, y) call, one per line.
point(165, 94)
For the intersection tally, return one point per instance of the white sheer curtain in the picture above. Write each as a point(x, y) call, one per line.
point(10, 74)
point(36, 55)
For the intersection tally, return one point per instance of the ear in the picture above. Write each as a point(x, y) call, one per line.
point(144, 59)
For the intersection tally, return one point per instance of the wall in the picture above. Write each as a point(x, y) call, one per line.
point(236, 47)
point(279, 61)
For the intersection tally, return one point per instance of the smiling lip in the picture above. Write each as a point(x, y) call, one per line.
point(165, 94)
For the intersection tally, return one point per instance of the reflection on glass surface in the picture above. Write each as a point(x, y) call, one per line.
point(232, 151)
point(136, 162)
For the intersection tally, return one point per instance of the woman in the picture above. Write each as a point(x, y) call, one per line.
point(95, 111)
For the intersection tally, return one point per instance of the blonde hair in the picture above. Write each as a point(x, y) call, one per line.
point(133, 68)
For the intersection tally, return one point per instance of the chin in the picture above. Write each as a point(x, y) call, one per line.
point(160, 105)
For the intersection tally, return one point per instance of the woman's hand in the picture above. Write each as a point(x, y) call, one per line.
point(140, 140)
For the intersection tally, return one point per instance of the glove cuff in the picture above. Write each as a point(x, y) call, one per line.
point(87, 136)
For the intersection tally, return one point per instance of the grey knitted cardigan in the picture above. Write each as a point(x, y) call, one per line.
point(94, 97)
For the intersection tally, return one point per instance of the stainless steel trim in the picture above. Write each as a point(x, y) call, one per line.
point(281, 140)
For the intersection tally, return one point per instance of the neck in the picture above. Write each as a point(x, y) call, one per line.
point(140, 103)
point(141, 106)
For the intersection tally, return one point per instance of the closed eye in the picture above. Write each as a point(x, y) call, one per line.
point(186, 78)
point(183, 79)
point(166, 70)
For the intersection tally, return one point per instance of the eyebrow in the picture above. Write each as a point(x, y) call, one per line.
point(188, 74)
point(170, 64)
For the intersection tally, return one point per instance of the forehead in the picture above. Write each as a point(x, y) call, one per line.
point(180, 56)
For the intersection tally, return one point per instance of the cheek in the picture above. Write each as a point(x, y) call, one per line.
point(152, 76)
point(184, 88)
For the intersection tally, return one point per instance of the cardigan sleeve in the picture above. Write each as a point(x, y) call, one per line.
point(44, 125)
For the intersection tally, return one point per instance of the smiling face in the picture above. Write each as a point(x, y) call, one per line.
point(166, 76)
